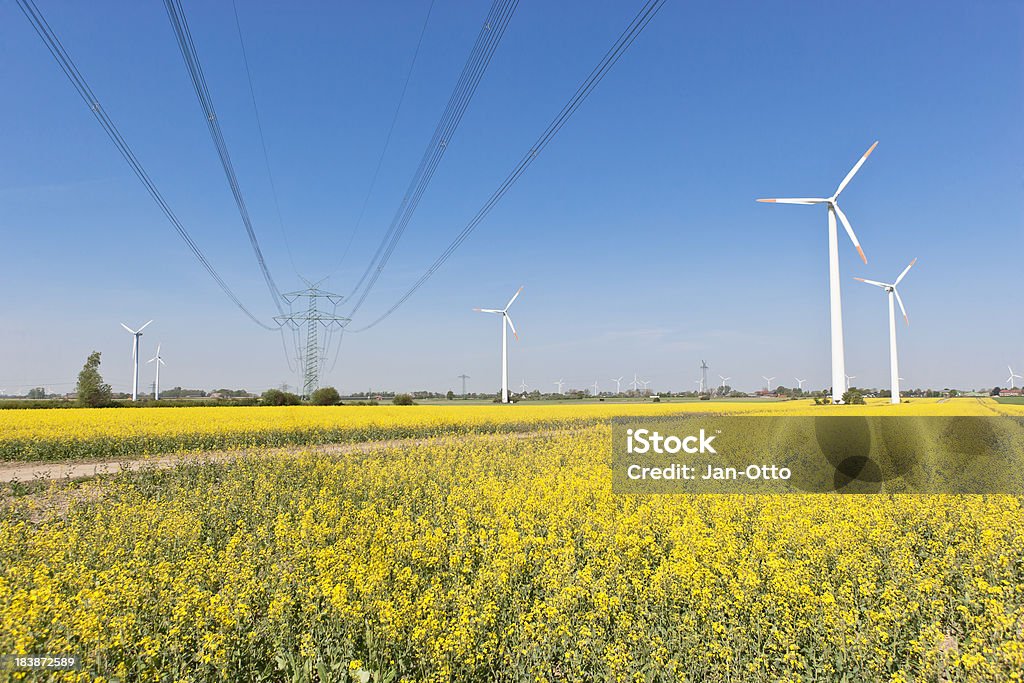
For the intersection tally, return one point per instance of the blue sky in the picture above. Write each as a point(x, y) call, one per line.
point(635, 233)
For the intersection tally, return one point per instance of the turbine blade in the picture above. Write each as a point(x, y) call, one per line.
point(850, 232)
point(514, 297)
point(487, 310)
point(509, 319)
point(127, 328)
point(872, 282)
point(904, 273)
point(899, 300)
point(794, 200)
point(856, 167)
point(144, 326)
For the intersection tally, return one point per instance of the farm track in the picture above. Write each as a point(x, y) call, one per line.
point(48, 470)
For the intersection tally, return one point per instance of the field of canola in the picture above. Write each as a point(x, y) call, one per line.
point(30, 435)
point(472, 558)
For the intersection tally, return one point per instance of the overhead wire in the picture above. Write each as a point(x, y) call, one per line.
point(263, 142)
point(476, 64)
point(625, 39)
point(387, 141)
point(176, 15)
point(67, 65)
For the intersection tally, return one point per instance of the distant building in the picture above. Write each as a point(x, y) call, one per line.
point(1011, 392)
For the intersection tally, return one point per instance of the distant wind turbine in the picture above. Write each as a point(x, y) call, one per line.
point(800, 383)
point(890, 289)
point(724, 380)
point(595, 388)
point(159, 361)
point(522, 386)
point(635, 383)
point(137, 334)
point(559, 383)
point(1012, 375)
point(506, 322)
point(848, 378)
point(768, 382)
point(838, 354)
point(645, 383)
point(618, 385)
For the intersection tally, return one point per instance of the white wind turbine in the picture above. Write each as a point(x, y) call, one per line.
point(890, 289)
point(559, 383)
point(135, 358)
point(595, 388)
point(848, 378)
point(835, 304)
point(618, 385)
point(724, 380)
point(522, 386)
point(635, 383)
point(645, 383)
point(506, 322)
point(159, 361)
point(800, 383)
point(1012, 375)
point(768, 382)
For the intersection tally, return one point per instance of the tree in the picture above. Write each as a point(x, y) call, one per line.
point(37, 392)
point(450, 395)
point(92, 392)
point(325, 396)
point(276, 397)
point(402, 400)
point(995, 391)
point(852, 396)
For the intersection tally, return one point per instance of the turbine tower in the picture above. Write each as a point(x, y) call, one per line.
point(800, 383)
point(618, 386)
point(1012, 375)
point(890, 289)
point(159, 361)
point(767, 382)
point(137, 334)
point(506, 322)
point(463, 377)
point(559, 383)
point(703, 376)
point(595, 388)
point(835, 304)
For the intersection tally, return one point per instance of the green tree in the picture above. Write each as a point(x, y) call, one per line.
point(450, 395)
point(276, 397)
point(37, 392)
point(402, 400)
point(325, 396)
point(853, 397)
point(92, 392)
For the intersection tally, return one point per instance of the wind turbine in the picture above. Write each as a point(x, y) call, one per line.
point(645, 383)
point(848, 378)
point(1012, 375)
point(618, 385)
point(800, 383)
point(890, 289)
point(135, 358)
point(506, 322)
point(522, 387)
point(159, 361)
point(724, 380)
point(559, 383)
point(595, 388)
point(768, 382)
point(635, 383)
point(835, 304)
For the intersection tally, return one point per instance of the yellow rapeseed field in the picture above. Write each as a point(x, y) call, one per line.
point(497, 558)
point(135, 432)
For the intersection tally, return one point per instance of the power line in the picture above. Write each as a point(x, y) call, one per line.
point(176, 14)
point(487, 42)
point(625, 39)
point(263, 143)
point(387, 140)
point(67, 65)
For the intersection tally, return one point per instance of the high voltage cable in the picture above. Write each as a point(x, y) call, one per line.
point(387, 139)
point(626, 39)
point(67, 65)
point(176, 14)
point(263, 142)
point(487, 42)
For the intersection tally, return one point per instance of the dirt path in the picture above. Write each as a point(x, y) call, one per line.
point(81, 469)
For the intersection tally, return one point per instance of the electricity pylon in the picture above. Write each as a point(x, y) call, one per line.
point(312, 355)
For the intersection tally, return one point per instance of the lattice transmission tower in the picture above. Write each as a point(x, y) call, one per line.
point(313, 352)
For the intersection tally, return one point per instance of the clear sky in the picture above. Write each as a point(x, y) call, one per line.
point(635, 234)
